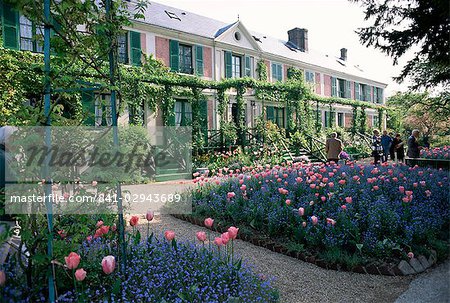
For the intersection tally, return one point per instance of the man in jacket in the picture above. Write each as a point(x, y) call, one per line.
point(386, 142)
point(333, 148)
point(413, 145)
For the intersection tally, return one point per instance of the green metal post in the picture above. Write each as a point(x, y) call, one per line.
point(112, 66)
point(47, 187)
point(317, 117)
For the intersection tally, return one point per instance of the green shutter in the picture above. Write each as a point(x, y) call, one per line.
point(380, 95)
point(135, 48)
point(88, 104)
point(228, 65)
point(357, 93)
point(348, 89)
point(375, 94)
point(280, 72)
point(333, 87)
point(11, 27)
point(199, 60)
point(270, 113)
point(248, 67)
point(174, 47)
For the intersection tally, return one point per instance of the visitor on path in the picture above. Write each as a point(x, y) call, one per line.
point(413, 145)
point(392, 148)
point(386, 142)
point(399, 148)
point(333, 148)
point(377, 148)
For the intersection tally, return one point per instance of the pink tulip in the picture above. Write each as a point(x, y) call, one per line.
point(2, 278)
point(209, 222)
point(408, 193)
point(80, 274)
point(376, 187)
point(99, 223)
point(428, 193)
point(201, 236)
point(301, 211)
point(344, 207)
point(218, 241)
point(304, 224)
point(410, 255)
point(323, 198)
point(108, 264)
point(415, 184)
point(288, 202)
point(331, 221)
point(225, 238)
point(134, 220)
point(169, 235)
point(401, 189)
point(149, 215)
point(314, 220)
point(348, 199)
point(341, 182)
point(405, 199)
point(331, 185)
point(230, 195)
point(72, 260)
point(232, 232)
point(89, 238)
point(62, 233)
point(243, 187)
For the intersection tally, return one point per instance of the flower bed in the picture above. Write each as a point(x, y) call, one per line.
point(351, 215)
point(157, 271)
point(441, 153)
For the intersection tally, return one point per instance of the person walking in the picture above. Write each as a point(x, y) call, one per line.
point(399, 148)
point(333, 148)
point(386, 142)
point(413, 145)
point(377, 148)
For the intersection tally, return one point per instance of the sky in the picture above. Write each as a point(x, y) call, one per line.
point(331, 26)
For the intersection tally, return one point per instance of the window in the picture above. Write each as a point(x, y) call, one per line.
point(122, 50)
point(364, 92)
point(103, 113)
point(375, 121)
point(277, 72)
point(341, 88)
point(249, 63)
point(172, 15)
point(136, 114)
point(276, 115)
point(26, 34)
point(340, 119)
point(183, 113)
point(309, 77)
point(185, 57)
point(236, 65)
point(377, 94)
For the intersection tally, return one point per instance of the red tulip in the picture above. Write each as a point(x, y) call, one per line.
point(169, 235)
point(149, 216)
point(134, 220)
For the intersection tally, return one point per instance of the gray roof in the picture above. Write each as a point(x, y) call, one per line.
point(177, 19)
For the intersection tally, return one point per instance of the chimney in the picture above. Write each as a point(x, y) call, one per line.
point(298, 37)
point(343, 54)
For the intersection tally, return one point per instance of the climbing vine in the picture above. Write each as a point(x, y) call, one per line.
point(362, 117)
point(240, 103)
point(261, 70)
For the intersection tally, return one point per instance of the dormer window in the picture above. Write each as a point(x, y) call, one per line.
point(172, 15)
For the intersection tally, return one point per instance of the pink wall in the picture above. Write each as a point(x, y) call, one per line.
point(207, 62)
point(327, 85)
point(162, 50)
point(318, 84)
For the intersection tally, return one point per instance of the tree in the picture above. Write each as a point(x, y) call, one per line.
point(412, 109)
point(399, 25)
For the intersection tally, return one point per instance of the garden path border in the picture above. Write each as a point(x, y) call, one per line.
point(404, 268)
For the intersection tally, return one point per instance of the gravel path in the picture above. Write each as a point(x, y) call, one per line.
point(430, 287)
point(299, 281)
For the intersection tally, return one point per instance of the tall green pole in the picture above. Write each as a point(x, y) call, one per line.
point(47, 186)
point(112, 82)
